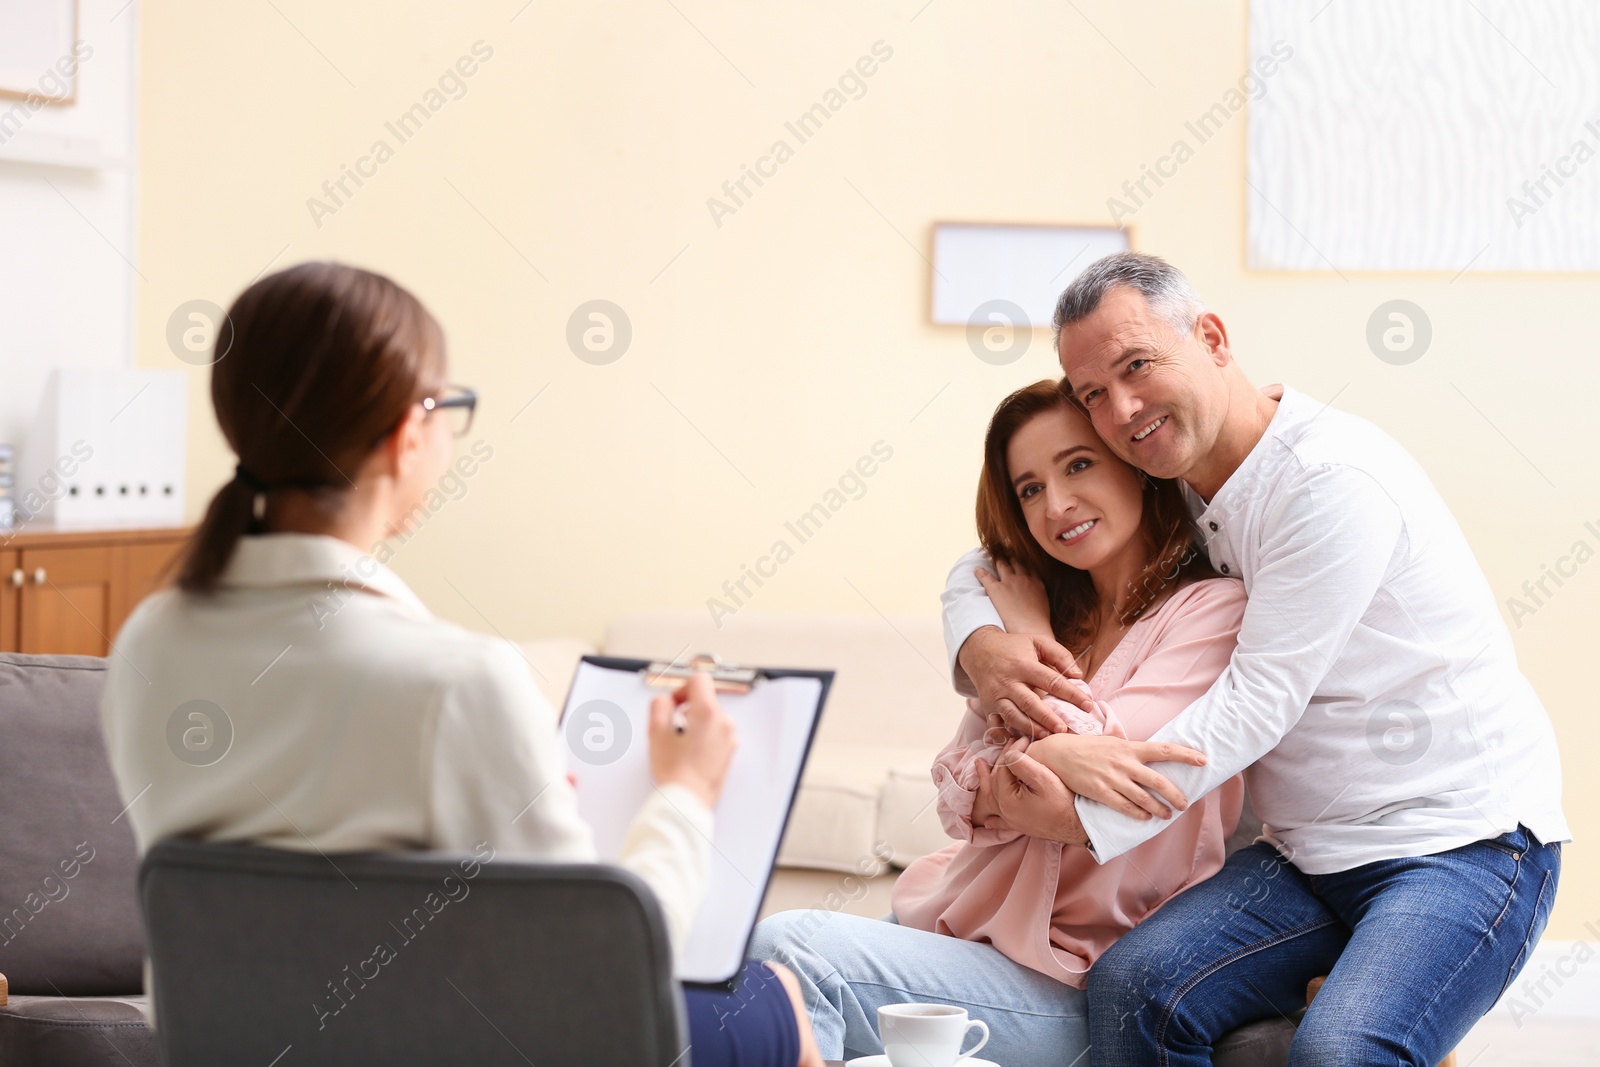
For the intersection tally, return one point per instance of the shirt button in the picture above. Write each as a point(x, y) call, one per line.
point(1212, 525)
point(1224, 568)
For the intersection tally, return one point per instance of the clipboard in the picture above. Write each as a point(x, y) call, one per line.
point(605, 731)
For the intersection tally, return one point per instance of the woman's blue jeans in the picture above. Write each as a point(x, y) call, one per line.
point(1416, 950)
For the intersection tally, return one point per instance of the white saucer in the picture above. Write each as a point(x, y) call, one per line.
point(883, 1061)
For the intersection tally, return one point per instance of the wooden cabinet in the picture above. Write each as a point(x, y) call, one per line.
point(10, 599)
point(67, 591)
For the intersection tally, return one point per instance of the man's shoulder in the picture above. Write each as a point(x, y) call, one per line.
point(1319, 435)
point(1333, 469)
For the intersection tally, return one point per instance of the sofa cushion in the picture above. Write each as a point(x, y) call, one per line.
point(833, 828)
point(908, 819)
point(554, 660)
point(80, 1031)
point(69, 915)
point(837, 823)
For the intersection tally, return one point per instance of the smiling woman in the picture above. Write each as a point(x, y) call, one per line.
point(1007, 921)
point(1034, 502)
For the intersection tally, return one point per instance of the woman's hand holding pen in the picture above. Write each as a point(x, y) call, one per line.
point(692, 739)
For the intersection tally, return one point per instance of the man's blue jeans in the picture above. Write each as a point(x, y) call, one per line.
point(1416, 950)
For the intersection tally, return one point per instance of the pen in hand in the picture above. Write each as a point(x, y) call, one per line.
point(697, 758)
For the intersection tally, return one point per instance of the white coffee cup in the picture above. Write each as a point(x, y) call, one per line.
point(927, 1035)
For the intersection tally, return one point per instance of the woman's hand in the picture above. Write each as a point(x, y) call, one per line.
point(1112, 770)
point(985, 812)
point(1031, 798)
point(1019, 597)
point(997, 731)
point(698, 757)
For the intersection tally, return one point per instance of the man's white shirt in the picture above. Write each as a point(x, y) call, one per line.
point(1374, 701)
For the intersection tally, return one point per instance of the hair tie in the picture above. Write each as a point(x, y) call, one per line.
point(248, 479)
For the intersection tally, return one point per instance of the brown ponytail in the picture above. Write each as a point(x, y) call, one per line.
point(326, 360)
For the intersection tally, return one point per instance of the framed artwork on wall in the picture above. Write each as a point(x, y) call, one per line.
point(1416, 137)
point(1013, 270)
point(37, 57)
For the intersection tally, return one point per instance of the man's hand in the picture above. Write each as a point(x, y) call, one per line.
point(1112, 770)
point(1010, 670)
point(1032, 799)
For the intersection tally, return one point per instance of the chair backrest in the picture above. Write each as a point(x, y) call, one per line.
point(404, 958)
point(69, 912)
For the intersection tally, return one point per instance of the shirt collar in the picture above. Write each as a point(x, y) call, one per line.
point(272, 560)
point(1294, 408)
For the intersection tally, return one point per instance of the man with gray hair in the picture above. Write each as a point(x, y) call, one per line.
point(1405, 770)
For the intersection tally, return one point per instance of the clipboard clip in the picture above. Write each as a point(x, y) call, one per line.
point(725, 677)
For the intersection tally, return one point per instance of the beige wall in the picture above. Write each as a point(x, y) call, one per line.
point(777, 348)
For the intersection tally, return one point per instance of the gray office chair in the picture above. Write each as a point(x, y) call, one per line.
point(407, 958)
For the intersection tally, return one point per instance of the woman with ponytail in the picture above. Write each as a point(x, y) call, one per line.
point(293, 692)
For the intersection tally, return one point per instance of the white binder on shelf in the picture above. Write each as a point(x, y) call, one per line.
point(605, 727)
point(106, 449)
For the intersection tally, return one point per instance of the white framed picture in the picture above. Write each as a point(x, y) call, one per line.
point(1418, 137)
point(1016, 270)
point(37, 57)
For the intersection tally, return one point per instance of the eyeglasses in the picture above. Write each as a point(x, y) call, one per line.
point(458, 402)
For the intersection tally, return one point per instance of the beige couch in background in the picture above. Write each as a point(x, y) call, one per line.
point(867, 792)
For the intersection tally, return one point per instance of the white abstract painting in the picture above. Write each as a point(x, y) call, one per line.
point(1426, 135)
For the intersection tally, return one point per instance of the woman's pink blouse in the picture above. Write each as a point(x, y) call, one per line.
point(1050, 906)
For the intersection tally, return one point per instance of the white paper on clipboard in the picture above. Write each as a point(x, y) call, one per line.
point(775, 721)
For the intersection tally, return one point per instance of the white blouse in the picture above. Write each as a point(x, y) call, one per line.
point(313, 703)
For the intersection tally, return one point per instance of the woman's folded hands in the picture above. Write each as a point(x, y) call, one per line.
point(1030, 798)
point(1034, 783)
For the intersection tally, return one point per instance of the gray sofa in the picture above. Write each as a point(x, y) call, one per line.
point(71, 942)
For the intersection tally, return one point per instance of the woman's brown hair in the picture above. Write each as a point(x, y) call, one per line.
point(325, 361)
point(1174, 559)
